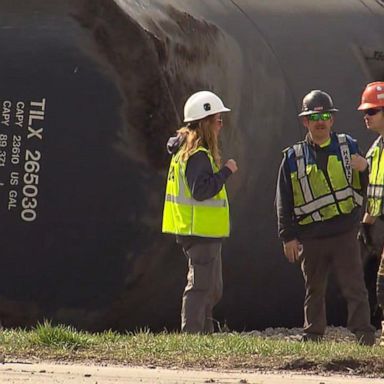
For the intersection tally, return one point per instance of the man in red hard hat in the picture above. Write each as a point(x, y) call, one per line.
point(372, 106)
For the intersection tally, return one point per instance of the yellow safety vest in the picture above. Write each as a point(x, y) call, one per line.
point(183, 215)
point(375, 192)
point(314, 198)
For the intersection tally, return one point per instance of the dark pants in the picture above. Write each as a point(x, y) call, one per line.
point(342, 254)
point(380, 282)
point(204, 286)
point(380, 293)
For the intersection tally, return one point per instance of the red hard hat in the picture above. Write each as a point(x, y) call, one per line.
point(373, 96)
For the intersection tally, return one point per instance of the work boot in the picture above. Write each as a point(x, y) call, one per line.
point(365, 338)
point(311, 337)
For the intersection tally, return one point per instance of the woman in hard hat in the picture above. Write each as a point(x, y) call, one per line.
point(196, 206)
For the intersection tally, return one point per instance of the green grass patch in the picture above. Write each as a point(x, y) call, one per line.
point(60, 336)
point(223, 350)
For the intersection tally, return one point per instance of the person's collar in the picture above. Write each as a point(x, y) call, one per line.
point(326, 143)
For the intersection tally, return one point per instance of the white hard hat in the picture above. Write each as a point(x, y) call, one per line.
point(202, 104)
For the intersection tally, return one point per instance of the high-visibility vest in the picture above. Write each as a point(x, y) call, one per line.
point(375, 191)
point(183, 215)
point(316, 199)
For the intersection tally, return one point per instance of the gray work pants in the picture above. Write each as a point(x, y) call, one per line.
point(342, 254)
point(204, 287)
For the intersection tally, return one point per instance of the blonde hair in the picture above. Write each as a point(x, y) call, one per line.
point(200, 133)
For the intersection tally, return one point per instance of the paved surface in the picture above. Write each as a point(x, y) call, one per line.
point(86, 374)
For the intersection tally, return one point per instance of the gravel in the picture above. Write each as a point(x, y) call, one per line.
point(331, 334)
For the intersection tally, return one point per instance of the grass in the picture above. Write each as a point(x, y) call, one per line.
point(221, 351)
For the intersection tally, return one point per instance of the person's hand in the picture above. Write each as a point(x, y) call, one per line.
point(359, 163)
point(231, 164)
point(365, 235)
point(292, 250)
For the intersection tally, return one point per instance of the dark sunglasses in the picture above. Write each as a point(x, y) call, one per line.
point(320, 116)
point(372, 111)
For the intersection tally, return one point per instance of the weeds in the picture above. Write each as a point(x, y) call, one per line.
point(59, 336)
point(222, 350)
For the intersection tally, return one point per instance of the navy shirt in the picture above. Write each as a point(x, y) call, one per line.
point(203, 183)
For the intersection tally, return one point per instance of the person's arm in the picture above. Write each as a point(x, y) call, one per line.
point(284, 204)
point(360, 164)
point(365, 232)
point(364, 180)
point(368, 219)
point(203, 183)
point(284, 208)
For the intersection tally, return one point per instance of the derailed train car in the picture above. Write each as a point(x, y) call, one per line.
point(90, 92)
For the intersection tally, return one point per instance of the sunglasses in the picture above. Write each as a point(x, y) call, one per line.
point(320, 116)
point(372, 111)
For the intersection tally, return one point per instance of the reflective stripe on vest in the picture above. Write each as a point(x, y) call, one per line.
point(346, 156)
point(312, 205)
point(327, 200)
point(182, 198)
point(375, 190)
point(183, 215)
point(303, 178)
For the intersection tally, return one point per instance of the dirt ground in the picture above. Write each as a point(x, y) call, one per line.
point(49, 373)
